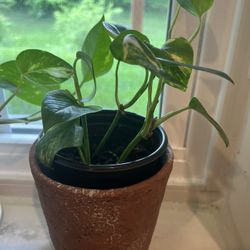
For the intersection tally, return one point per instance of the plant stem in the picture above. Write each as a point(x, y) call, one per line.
point(131, 146)
point(150, 89)
point(174, 21)
point(196, 32)
point(20, 120)
point(109, 132)
point(85, 149)
point(3, 105)
point(138, 93)
point(117, 85)
point(150, 115)
point(81, 154)
point(120, 109)
point(168, 116)
point(147, 126)
point(76, 81)
point(86, 146)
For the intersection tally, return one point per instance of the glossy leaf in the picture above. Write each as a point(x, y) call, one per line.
point(9, 76)
point(32, 92)
point(117, 45)
point(142, 53)
point(196, 7)
point(219, 73)
point(60, 106)
point(136, 52)
point(197, 106)
point(179, 50)
point(42, 67)
point(114, 29)
point(62, 135)
point(96, 45)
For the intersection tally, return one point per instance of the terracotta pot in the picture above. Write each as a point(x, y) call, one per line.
point(101, 219)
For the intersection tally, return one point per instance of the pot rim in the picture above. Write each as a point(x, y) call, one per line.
point(97, 192)
point(117, 167)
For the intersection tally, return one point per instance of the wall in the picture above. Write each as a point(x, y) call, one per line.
point(230, 168)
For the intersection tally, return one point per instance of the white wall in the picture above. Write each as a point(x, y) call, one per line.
point(238, 199)
point(230, 168)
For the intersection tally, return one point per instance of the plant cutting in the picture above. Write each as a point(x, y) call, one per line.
point(101, 174)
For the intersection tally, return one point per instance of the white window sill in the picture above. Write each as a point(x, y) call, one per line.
point(9, 138)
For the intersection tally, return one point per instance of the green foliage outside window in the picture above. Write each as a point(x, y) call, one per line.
point(4, 22)
point(84, 15)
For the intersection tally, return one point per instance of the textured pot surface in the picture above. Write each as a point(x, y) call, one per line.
point(93, 219)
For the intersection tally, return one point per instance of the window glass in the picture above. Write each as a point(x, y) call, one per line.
point(59, 26)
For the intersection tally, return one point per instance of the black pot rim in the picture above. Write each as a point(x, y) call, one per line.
point(117, 167)
point(70, 171)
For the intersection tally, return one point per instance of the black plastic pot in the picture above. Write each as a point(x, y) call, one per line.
point(148, 158)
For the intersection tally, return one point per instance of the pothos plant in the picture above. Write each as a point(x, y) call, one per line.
point(35, 74)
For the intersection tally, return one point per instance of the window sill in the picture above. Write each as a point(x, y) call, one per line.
point(10, 138)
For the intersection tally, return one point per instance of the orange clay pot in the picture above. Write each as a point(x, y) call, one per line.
point(101, 219)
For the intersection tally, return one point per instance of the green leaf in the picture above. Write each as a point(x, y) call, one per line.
point(116, 46)
point(196, 7)
point(85, 57)
point(42, 67)
point(142, 53)
point(60, 106)
point(32, 92)
point(136, 52)
point(219, 73)
point(96, 45)
point(114, 29)
point(197, 106)
point(62, 135)
point(180, 50)
point(9, 76)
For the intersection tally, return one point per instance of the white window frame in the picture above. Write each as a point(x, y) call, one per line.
point(194, 156)
point(211, 90)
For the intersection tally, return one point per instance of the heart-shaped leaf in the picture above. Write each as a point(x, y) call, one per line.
point(179, 50)
point(196, 7)
point(42, 67)
point(180, 53)
point(96, 45)
point(60, 106)
point(212, 71)
point(136, 52)
point(32, 92)
point(141, 53)
point(114, 29)
point(62, 135)
point(117, 45)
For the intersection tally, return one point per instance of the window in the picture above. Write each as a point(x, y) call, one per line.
point(191, 136)
point(66, 25)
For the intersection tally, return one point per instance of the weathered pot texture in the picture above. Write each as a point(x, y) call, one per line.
point(118, 218)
